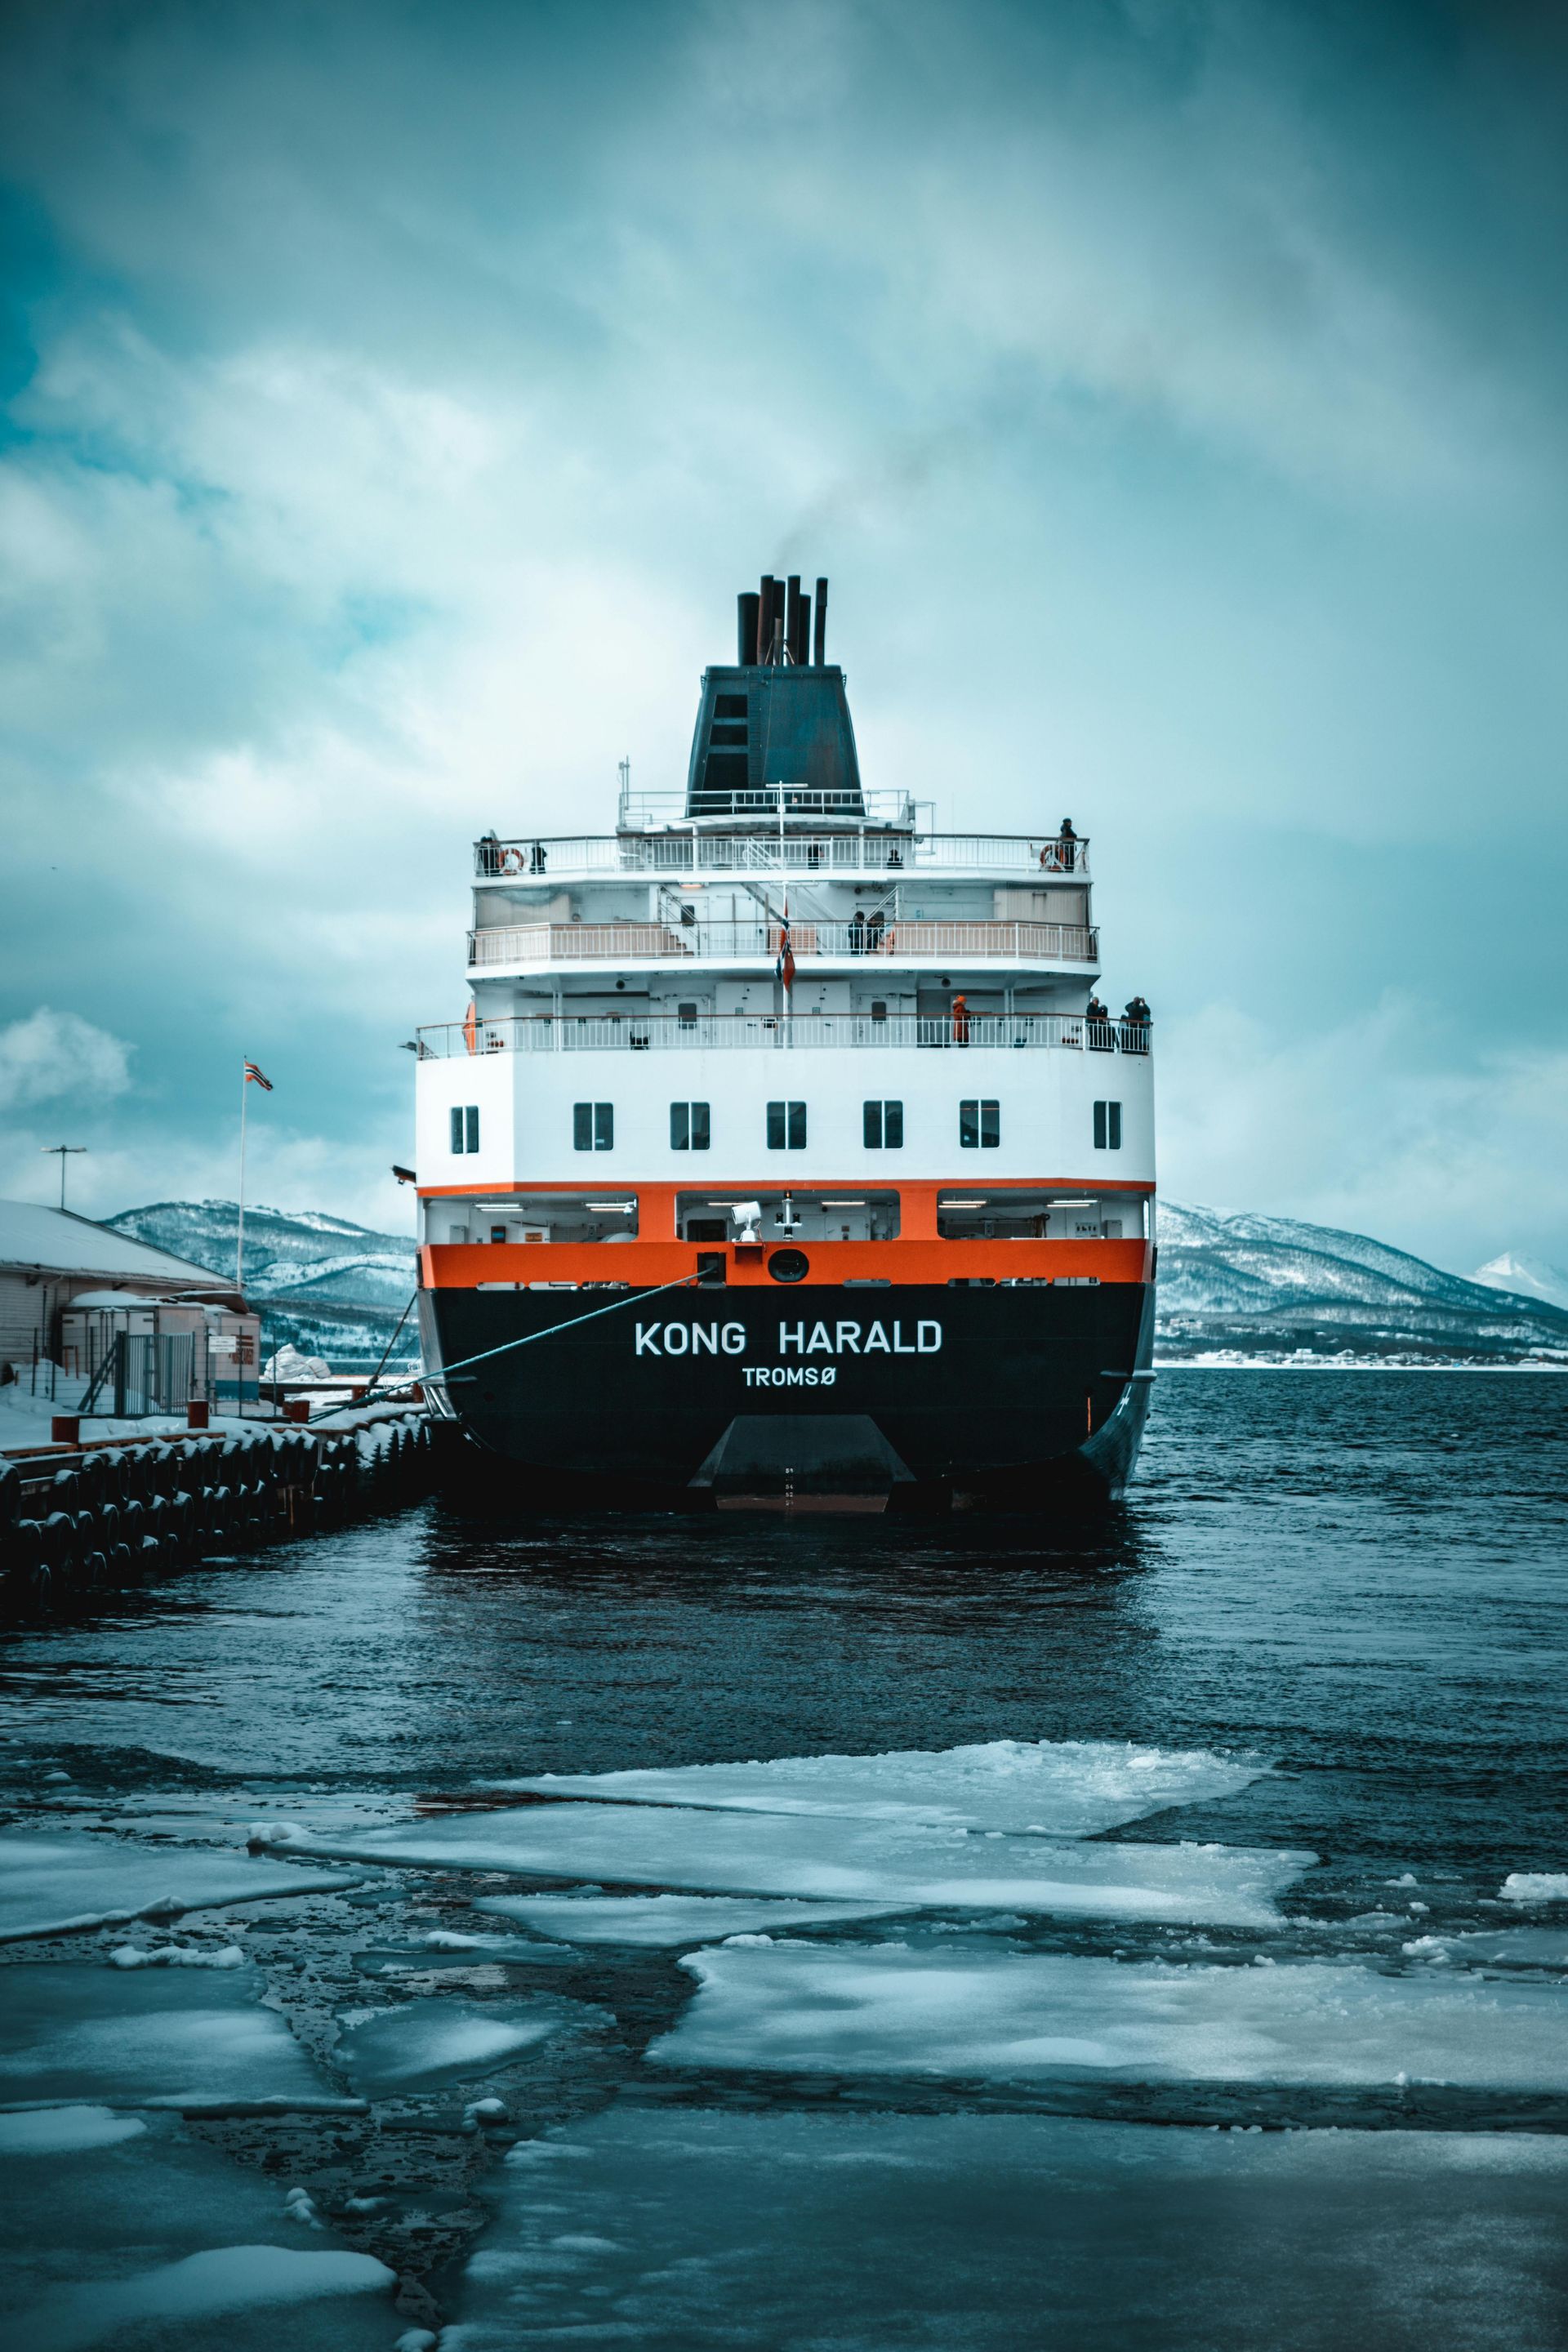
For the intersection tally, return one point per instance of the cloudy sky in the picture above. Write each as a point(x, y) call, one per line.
point(395, 396)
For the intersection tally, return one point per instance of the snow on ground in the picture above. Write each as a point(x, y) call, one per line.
point(121, 2233)
point(888, 2009)
point(423, 2043)
point(666, 1920)
point(1067, 1788)
point(676, 2229)
point(51, 1884)
point(897, 1863)
point(70, 2032)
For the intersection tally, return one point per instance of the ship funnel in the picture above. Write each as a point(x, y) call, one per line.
point(773, 732)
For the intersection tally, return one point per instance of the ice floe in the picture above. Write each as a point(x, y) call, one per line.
point(1535, 1886)
point(884, 2010)
point(176, 1956)
point(64, 2131)
point(666, 1920)
point(1501, 1947)
point(899, 1864)
point(145, 2239)
point(1068, 1787)
point(660, 2227)
point(53, 1886)
point(422, 2044)
point(133, 2037)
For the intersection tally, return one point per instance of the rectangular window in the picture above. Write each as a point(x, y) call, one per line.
point(786, 1127)
point(689, 1126)
point(466, 1127)
point(883, 1126)
point(1108, 1126)
point(594, 1127)
point(979, 1124)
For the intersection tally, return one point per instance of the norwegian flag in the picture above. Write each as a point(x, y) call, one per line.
point(785, 968)
point(253, 1076)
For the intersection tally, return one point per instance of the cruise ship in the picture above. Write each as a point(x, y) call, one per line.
point(785, 1158)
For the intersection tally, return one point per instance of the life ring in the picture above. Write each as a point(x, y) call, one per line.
point(511, 861)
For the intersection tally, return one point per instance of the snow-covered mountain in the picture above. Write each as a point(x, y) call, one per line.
point(1229, 1282)
point(324, 1284)
point(1271, 1285)
point(1529, 1278)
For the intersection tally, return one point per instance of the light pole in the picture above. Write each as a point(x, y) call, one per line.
point(64, 1151)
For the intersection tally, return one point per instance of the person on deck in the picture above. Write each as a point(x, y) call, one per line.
point(960, 1021)
point(1061, 856)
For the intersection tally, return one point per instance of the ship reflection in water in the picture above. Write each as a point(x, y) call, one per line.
point(1140, 1929)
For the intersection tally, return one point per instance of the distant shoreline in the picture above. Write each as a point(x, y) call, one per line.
point(1331, 1364)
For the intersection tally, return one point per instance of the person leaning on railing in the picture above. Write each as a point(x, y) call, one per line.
point(1061, 856)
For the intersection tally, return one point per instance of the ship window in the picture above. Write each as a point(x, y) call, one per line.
point(689, 1128)
point(730, 706)
point(979, 1124)
point(879, 1008)
point(883, 1126)
point(786, 1127)
point(1108, 1126)
point(594, 1127)
point(687, 1015)
point(466, 1127)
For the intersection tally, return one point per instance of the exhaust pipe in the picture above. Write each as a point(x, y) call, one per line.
point(765, 619)
point(819, 649)
point(746, 628)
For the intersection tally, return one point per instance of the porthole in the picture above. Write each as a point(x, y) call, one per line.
point(789, 1265)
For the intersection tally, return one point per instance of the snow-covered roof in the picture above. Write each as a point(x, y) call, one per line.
point(56, 1240)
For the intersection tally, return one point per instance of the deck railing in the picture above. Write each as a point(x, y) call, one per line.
point(633, 1032)
point(693, 851)
point(896, 941)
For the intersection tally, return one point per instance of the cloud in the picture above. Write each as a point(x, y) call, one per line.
point(1166, 389)
point(56, 1056)
point(1363, 1127)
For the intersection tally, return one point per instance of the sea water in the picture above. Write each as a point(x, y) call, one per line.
point(1143, 1928)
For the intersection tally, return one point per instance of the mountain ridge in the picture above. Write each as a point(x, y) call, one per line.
point(1236, 1283)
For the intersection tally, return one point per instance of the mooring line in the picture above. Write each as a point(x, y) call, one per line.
point(632, 1298)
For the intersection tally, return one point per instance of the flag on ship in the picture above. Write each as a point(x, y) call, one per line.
point(785, 968)
point(253, 1076)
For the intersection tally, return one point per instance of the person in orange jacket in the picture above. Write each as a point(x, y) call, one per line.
point(960, 1021)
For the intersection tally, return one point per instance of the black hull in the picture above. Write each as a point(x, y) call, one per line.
point(906, 1399)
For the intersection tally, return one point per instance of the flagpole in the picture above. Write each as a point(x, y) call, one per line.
point(239, 1235)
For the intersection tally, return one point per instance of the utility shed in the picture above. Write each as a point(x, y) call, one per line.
point(49, 1257)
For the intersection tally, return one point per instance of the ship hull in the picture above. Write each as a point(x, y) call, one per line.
point(904, 1397)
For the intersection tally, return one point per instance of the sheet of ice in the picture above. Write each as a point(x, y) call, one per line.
point(214, 2285)
point(1067, 1788)
point(670, 2230)
point(882, 2009)
point(176, 1956)
point(63, 2131)
point(668, 1919)
point(422, 2044)
point(50, 1886)
point(901, 1864)
point(1535, 1886)
point(1501, 1947)
point(98, 2237)
point(127, 2036)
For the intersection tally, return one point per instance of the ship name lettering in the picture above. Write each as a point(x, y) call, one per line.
point(791, 1376)
point(692, 1339)
point(847, 1340)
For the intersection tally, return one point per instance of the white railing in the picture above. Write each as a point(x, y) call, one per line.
point(639, 1034)
point(898, 941)
point(693, 851)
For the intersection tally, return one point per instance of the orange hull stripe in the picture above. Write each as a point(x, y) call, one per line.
point(463, 1265)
